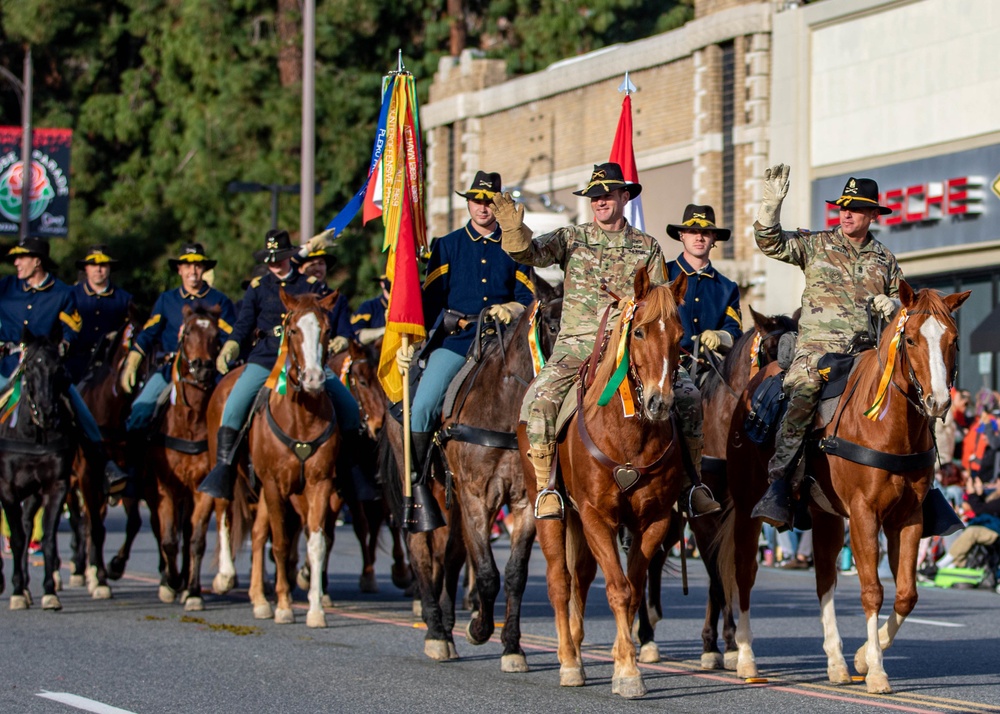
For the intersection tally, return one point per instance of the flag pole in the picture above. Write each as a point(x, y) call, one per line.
point(407, 454)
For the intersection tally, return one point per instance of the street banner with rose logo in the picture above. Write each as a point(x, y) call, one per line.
point(48, 185)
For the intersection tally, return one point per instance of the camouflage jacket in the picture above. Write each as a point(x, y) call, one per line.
point(590, 257)
point(840, 279)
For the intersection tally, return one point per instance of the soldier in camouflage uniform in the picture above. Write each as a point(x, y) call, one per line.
point(844, 269)
point(609, 251)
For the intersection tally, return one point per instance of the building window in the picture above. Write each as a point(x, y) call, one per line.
point(728, 211)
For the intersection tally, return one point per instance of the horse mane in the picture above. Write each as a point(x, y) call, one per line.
point(658, 304)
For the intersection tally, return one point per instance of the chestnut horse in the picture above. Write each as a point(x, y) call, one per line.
point(719, 393)
point(617, 471)
point(907, 376)
point(293, 448)
point(178, 459)
point(479, 441)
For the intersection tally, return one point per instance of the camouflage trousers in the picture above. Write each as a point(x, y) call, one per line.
point(802, 388)
point(546, 393)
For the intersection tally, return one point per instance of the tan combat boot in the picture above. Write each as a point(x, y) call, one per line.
point(549, 503)
point(697, 500)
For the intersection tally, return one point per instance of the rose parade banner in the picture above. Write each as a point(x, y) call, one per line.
point(48, 184)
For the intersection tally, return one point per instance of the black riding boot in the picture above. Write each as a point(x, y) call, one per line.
point(219, 482)
point(422, 512)
point(939, 517)
point(775, 506)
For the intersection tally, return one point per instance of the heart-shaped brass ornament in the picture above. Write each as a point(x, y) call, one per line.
point(303, 451)
point(626, 477)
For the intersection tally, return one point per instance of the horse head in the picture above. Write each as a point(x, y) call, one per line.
point(306, 332)
point(198, 344)
point(43, 378)
point(362, 380)
point(548, 315)
point(927, 345)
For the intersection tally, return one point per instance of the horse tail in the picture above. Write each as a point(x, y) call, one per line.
point(724, 545)
point(388, 474)
point(242, 517)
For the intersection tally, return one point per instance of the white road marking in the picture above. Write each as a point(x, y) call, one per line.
point(78, 702)
point(921, 621)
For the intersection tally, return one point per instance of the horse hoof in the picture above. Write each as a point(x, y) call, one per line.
point(861, 661)
point(284, 616)
point(838, 674)
point(77, 581)
point(116, 568)
point(57, 581)
point(101, 592)
point(91, 576)
point(418, 609)
point(222, 583)
point(27, 597)
point(437, 650)
point(572, 677)
point(326, 601)
point(649, 653)
point(877, 684)
point(711, 660)
point(263, 612)
point(302, 578)
point(401, 577)
point(472, 639)
point(182, 598)
point(730, 660)
point(513, 664)
point(315, 618)
point(51, 602)
point(167, 594)
point(628, 687)
point(19, 602)
point(367, 583)
point(194, 604)
point(747, 669)
point(452, 651)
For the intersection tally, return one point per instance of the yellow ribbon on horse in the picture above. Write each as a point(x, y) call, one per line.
point(890, 367)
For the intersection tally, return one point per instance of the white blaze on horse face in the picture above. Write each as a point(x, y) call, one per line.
point(932, 331)
point(203, 323)
point(312, 350)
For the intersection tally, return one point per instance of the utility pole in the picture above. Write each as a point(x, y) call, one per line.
point(308, 158)
point(26, 144)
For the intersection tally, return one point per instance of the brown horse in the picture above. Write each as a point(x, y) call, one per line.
point(178, 460)
point(479, 443)
point(293, 448)
point(617, 471)
point(719, 393)
point(881, 487)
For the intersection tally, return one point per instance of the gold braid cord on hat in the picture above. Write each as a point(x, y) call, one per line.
point(605, 184)
point(844, 200)
point(479, 194)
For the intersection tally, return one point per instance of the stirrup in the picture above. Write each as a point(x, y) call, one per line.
point(551, 517)
point(689, 509)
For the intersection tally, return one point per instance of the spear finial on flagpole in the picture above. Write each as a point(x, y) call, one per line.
point(627, 86)
point(400, 68)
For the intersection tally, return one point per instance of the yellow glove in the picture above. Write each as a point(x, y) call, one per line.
point(885, 305)
point(227, 354)
point(510, 215)
point(714, 339)
point(506, 312)
point(337, 344)
point(404, 357)
point(775, 189)
point(131, 368)
point(367, 335)
point(320, 241)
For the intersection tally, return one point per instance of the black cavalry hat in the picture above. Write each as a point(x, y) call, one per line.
point(605, 179)
point(192, 253)
point(97, 255)
point(38, 247)
point(701, 218)
point(483, 187)
point(860, 193)
point(329, 258)
point(277, 247)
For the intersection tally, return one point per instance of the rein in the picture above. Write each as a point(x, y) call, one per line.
point(186, 379)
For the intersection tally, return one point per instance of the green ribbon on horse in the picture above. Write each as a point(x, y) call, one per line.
point(278, 379)
point(12, 395)
point(617, 381)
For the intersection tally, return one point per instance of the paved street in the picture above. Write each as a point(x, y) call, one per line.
point(135, 654)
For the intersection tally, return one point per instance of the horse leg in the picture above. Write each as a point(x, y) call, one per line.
point(19, 600)
point(133, 524)
point(553, 537)
point(318, 499)
point(743, 541)
point(367, 583)
point(521, 524)
point(402, 573)
point(201, 516)
point(78, 539)
point(50, 526)
point(283, 613)
point(167, 538)
point(478, 511)
point(261, 607)
point(864, 546)
point(650, 609)
point(455, 554)
point(93, 503)
point(225, 579)
point(429, 578)
point(828, 540)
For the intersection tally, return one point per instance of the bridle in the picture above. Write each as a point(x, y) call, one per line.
point(911, 375)
point(191, 366)
point(293, 361)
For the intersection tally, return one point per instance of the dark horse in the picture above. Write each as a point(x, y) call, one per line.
point(617, 471)
point(37, 445)
point(872, 462)
point(178, 459)
point(479, 443)
point(720, 391)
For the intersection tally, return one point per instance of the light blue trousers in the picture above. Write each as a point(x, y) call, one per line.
point(442, 366)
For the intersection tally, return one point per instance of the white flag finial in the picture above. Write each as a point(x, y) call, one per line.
point(627, 86)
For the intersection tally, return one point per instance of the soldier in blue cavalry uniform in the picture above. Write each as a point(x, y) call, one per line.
point(368, 320)
point(711, 307)
point(158, 339)
point(103, 307)
point(35, 300)
point(468, 271)
point(262, 311)
point(316, 264)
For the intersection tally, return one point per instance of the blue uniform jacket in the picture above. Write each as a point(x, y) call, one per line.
point(159, 334)
point(100, 313)
point(371, 313)
point(340, 319)
point(262, 310)
point(712, 301)
point(468, 272)
point(37, 309)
